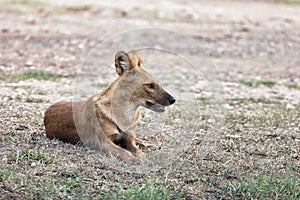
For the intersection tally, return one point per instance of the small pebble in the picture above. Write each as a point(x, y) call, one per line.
point(29, 63)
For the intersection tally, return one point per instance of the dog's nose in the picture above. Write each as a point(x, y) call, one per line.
point(172, 100)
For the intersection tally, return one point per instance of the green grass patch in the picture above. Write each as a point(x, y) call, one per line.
point(65, 187)
point(78, 8)
point(40, 75)
point(2, 75)
point(30, 74)
point(292, 86)
point(75, 184)
point(34, 100)
point(103, 85)
point(203, 99)
point(148, 189)
point(252, 100)
point(289, 1)
point(30, 154)
point(267, 83)
point(27, 2)
point(6, 174)
point(264, 186)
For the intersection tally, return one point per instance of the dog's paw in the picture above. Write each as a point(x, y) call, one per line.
point(143, 160)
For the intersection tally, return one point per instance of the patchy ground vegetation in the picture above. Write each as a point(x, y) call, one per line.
point(257, 53)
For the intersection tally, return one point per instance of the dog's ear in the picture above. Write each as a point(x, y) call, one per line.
point(135, 58)
point(122, 62)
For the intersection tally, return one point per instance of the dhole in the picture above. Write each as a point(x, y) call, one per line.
point(108, 120)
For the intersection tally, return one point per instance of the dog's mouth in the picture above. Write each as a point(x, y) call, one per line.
point(154, 106)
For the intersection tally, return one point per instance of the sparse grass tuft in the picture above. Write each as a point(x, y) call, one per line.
point(289, 1)
point(34, 100)
point(205, 99)
point(149, 189)
point(267, 83)
point(28, 2)
point(29, 154)
point(253, 100)
point(2, 75)
point(6, 174)
point(103, 85)
point(63, 187)
point(292, 86)
point(40, 75)
point(78, 8)
point(31, 74)
point(265, 186)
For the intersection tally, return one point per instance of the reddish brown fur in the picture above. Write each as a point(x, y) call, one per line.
point(66, 133)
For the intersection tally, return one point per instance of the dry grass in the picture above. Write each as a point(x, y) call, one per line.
point(257, 156)
point(257, 149)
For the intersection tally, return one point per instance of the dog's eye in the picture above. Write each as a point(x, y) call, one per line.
point(150, 85)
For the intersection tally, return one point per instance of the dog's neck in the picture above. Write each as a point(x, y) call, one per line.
point(117, 107)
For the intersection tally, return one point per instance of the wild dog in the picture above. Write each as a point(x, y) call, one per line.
point(108, 120)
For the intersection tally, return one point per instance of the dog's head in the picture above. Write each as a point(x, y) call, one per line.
point(145, 91)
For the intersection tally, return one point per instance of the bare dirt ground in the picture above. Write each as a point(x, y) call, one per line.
point(256, 48)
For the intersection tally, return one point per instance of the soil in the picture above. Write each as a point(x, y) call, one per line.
point(254, 45)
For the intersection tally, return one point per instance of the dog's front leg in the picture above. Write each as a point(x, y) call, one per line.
point(127, 141)
point(106, 145)
point(119, 152)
